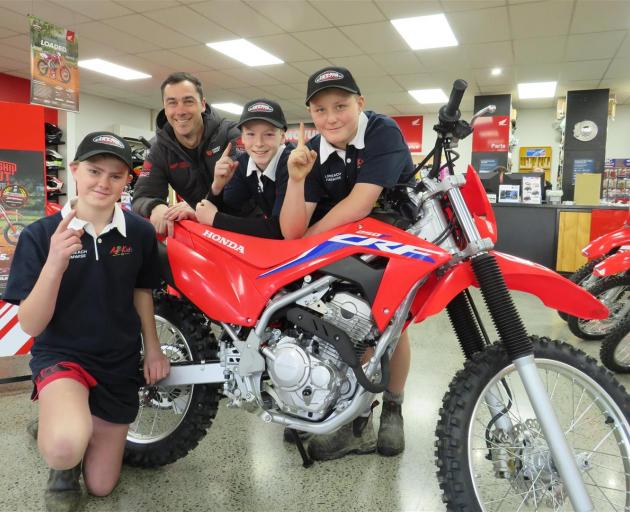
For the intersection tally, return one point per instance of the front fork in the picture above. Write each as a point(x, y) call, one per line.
point(514, 337)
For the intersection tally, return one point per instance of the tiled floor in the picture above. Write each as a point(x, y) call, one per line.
point(243, 464)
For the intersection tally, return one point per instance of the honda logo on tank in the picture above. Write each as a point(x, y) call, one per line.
point(492, 134)
point(411, 128)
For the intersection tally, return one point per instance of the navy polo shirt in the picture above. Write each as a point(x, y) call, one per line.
point(245, 189)
point(95, 322)
point(384, 160)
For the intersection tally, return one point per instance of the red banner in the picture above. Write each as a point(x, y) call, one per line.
point(492, 134)
point(411, 128)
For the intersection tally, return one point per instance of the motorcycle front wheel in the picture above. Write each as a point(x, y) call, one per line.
point(173, 419)
point(12, 232)
point(64, 74)
point(582, 276)
point(42, 67)
point(491, 452)
point(614, 292)
point(615, 349)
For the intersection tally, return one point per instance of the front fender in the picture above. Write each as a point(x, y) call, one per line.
point(606, 243)
point(615, 264)
point(550, 287)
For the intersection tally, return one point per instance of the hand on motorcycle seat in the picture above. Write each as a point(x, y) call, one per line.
point(205, 212)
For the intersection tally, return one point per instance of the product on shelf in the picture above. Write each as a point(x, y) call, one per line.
point(53, 134)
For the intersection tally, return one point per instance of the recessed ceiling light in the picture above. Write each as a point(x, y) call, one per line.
point(537, 90)
point(496, 71)
point(232, 108)
point(111, 69)
point(424, 32)
point(245, 52)
point(429, 95)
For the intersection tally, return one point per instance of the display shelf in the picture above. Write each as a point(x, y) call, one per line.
point(532, 157)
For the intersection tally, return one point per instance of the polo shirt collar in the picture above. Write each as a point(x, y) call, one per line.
point(270, 171)
point(118, 221)
point(326, 149)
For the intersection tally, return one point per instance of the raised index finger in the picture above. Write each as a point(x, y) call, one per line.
point(228, 148)
point(301, 135)
point(63, 225)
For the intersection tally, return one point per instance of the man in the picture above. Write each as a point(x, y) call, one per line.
point(190, 139)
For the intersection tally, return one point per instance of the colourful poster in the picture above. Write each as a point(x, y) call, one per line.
point(491, 135)
point(54, 66)
point(411, 128)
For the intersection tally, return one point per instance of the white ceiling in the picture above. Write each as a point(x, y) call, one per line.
point(583, 44)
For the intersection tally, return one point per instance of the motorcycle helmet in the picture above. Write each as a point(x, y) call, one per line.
point(53, 159)
point(53, 133)
point(53, 184)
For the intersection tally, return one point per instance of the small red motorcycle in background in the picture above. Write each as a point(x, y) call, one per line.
point(50, 64)
point(613, 294)
point(614, 272)
point(301, 333)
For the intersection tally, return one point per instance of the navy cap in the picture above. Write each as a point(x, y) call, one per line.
point(263, 110)
point(100, 143)
point(325, 78)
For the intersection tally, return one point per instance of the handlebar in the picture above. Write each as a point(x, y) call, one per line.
point(449, 113)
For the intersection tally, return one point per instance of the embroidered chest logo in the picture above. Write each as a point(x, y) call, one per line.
point(80, 254)
point(210, 152)
point(120, 250)
point(179, 165)
point(360, 162)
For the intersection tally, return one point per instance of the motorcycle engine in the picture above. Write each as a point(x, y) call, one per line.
point(307, 372)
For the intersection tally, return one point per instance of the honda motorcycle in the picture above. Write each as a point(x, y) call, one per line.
point(613, 271)
point(301, 333)
point(596, 251)
point(49, 64)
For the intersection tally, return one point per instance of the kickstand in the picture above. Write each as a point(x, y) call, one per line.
point(307, 462)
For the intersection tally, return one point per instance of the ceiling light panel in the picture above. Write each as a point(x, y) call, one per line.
point(111, 69)
point(245, 52)
point(424, 32)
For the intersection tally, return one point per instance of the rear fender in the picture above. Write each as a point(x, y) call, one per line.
point(606, 243)
point(615, 264)
point(551, 288)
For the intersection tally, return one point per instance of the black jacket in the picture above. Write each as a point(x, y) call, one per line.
point(169, 164)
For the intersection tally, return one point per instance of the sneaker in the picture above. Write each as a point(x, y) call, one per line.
point(63, 492)
point(288, 436)
point(354, 437)
point(391, 434)
point(32, 428)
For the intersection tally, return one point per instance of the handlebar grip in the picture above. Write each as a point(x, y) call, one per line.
point(450, 111)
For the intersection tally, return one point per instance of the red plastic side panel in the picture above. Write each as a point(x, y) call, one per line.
point(217, 284)
point(606, 220)
point(478, 204)
point(615, 264)
point(606, 243)
point(551, 288)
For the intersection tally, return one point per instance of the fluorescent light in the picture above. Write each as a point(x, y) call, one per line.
point(496, 71)
point(537, 90)
point(429, 95)
point(245, 52)
point(111, 69)
point(425, 32)
point(232, 108)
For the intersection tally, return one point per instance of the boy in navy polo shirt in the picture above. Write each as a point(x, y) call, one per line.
point(255, 182)
point(335, 179)
point(82, 279)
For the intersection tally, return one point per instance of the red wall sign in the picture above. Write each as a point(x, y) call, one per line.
point(411, 127)
point(492, 134)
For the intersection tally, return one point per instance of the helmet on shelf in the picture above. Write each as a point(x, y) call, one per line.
point(53, 133)
point(53, 184)
point(54, 160)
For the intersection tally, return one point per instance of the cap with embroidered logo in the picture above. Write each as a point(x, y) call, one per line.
point(100, 143)
point(331, 77)
point(263, 110)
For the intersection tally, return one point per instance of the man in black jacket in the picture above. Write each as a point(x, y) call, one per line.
point(190, 139)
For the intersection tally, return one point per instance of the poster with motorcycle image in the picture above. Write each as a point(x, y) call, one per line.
point(22, 200)
point(54, 66)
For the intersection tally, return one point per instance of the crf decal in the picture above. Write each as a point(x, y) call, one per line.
point(340, 241)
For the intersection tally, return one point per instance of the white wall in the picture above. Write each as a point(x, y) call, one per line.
point(618, 136)
point(100, 114)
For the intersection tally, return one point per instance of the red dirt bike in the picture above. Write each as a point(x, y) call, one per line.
point(13, 229)
point(301, 333)
point(615, 296)
point(53, 65)
point(614, 276)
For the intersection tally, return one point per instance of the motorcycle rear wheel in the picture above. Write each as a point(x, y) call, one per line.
point(173, 419)
point(483, 468)
point(614, 292)
point(42, 67)
point(615, 349)
point(12, 232)
point(64, 74)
